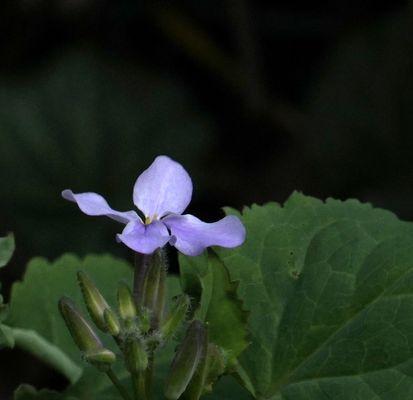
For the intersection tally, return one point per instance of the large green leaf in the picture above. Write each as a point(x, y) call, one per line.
point(330, 291)
point(206, 279)
point(6, 249)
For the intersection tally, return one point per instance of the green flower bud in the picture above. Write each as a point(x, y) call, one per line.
point(155, 287)
point(176, 316)
point(82, 333)
point(95, 303)
point(136, 357)
point(127, 307)
point(112, 322)
point(186, 361)
point(101, 358)
point(84, 336)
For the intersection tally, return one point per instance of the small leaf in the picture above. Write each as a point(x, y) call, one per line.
point(219, 305)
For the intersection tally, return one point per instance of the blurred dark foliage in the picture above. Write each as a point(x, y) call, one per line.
point(256, 99)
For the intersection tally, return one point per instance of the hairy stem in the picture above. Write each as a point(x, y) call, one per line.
point(139, 386)
point(142, 262)
point(149, 375)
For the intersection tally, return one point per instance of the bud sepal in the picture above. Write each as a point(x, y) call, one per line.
point(101, 358)
point(176, 316)
point(95, 302)
point(112, 322)
point(126, 303)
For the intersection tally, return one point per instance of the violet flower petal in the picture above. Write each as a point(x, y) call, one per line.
point(193, 235)
point(165, 187)
point(95, 205)
point(144, 238)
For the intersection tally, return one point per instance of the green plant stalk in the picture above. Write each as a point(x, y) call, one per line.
point(149, 375)
point(139, 386)
point(154, 288)
point(122, 391)
point(142, 262)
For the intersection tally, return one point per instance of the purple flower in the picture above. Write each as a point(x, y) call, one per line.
point(162, 193)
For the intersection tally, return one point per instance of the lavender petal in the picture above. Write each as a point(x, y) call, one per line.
point(95, 205)
point(165, 187)
point(192, 235)
point(144, 239)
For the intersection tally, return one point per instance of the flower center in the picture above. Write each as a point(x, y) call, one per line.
point(149, 220)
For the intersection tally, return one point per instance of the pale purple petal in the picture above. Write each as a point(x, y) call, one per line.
point(165, 187)
point(95, 205)
point(193, 236)
point(144, 238)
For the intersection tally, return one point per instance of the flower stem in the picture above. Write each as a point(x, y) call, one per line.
point(149, 376)
point(139, 386)
point(142, 262)
point(111, 375)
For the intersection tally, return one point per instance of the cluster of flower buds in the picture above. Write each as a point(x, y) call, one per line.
point(139, 326)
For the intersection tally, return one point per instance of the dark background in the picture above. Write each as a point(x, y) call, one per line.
point(255, 98)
